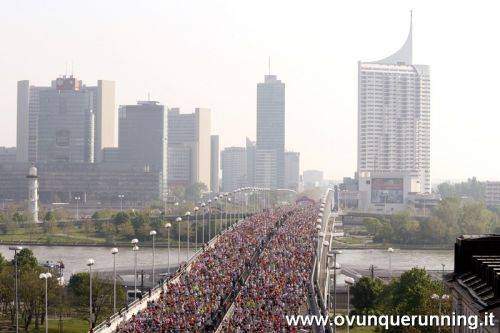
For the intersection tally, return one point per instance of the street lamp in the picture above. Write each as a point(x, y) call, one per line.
point(90, 263)
point(46, 276)
point(229, 221)
point(114, 251)
point(196, 209)
point(440, 299)
point(77, 201)
point(16, 249)
point(209, 218)
point(179, 220)
point(221, 196)
point(168, 225)
point(188, 214)
point(349, 282)
point(152, 233)
point(390, 251)
point(203, 223)
point(333, 254)
point(135, 249)
point(215, 223)
point(121, 196)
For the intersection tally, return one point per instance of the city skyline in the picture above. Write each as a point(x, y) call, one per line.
point(323, 88)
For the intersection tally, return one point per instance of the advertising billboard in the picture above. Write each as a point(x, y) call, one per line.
point(387, 190)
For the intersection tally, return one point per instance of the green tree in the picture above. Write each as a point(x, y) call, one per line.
point(194, 191)
point(366, 295)
point(372, 225)
point(102, 295)
point(25, 258)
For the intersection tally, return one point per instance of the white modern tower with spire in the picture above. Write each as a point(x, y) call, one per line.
point(394, 116)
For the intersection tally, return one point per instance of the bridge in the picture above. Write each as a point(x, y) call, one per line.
point(258, 240)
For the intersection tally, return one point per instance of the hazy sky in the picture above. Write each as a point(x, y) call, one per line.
point(211, 53)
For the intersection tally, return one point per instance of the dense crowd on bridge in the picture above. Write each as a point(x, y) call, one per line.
point(196, 301)
point(278, 285)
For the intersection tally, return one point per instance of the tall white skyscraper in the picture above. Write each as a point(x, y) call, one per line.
point(394, 116)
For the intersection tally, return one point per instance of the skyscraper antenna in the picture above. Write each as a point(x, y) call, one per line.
point(66, 71)
point(269, 65)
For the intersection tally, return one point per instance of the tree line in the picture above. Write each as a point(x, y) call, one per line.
point(64, 300)
point(410, 294)
point(451, 218)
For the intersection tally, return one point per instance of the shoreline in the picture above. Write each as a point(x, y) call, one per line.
point(378, 246)
point(107, 245)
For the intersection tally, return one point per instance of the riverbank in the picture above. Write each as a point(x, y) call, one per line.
point(380, 246)
point(173, 244)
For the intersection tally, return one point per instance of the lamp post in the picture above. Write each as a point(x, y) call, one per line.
point(16, 249)
point(90, 263)
point(349, 281)
point(226, 200)
point(152, 233)
point(46, 276)
point(333, 254)
point(209, 219)
point(178, 220)
point(135, 249)
point(221, 196)
point(390, 251)
point(203, 222)
point(230, 211)
point(440, 299)
point(121, 196)
point(196, 209)
point(188, 214)
point(168, 225)
point(77, 202)
point(114, 251)
point(215, 223)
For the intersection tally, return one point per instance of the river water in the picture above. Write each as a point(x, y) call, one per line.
point(75, 258)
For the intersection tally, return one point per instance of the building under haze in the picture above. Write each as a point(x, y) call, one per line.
point(189, 145)
point(292, 170)
point(143, 138)
point(394, 116)
point(312, 178)
point(214, 163)
point(270, 145)
point(234, 168)
point(62, 110)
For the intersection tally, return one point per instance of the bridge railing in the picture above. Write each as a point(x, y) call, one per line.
point(138, 305)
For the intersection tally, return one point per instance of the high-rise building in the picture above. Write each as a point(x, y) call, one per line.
point(143, 138)
point(28, 111)
point(250, 148)
point(66, 123)
point(394, 116)
point(214, 163)
point(292, 170)
point(105, 116)
point(265, 168)
point(234, 168)
point(270, 133)
point(191, 131)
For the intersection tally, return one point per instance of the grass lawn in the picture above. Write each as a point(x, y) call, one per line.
point(69, 326)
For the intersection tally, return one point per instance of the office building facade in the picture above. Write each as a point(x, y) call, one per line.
point(102, 105)
point(394, 116)
point(214, 163)
point(191, 131)
point(234, 168)
point(292, 170)
point(270, 132)
point(143, 138)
